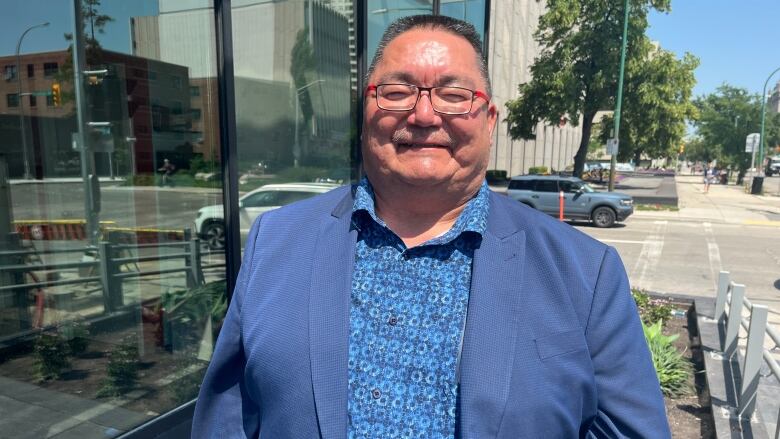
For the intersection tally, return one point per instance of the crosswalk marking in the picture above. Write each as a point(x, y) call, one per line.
point(650, 255)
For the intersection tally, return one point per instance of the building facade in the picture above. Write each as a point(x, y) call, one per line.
point(138, 138)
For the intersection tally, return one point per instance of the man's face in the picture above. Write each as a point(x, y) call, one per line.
point(421, 147)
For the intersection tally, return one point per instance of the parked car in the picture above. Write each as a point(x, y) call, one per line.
point(580, 200)
point(774, 166)
point(210, 222)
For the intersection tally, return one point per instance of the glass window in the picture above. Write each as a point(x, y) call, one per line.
point(12, 100)
point(9, 72)
point(33, 100)
point(383, 12)
point(524, 185)
point(30, 70)
point(116, 293)
point(194, 91)
point(472, 11)
point(569, 186)
point(50, 69)
point(295, 92)
point(546, 186)
point(262, 199)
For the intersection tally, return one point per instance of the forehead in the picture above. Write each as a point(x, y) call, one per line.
point(429, 55)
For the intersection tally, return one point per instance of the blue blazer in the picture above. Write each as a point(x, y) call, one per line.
point(553, 346)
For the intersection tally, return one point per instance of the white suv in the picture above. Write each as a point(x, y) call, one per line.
point(210, 222)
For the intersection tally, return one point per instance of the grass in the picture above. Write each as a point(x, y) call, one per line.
point(656, 207)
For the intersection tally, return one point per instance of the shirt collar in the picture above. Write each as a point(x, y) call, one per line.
point(473, 218)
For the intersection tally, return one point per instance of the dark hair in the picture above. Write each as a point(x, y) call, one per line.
point(433, 22)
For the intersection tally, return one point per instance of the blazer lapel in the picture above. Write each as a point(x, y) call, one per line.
point(491, 326)
point(329, 319)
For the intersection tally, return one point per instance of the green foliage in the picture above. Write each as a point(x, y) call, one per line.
point(656, 105)
point(671, 367)
point(538, 170)
point(51, 356)
point(576, 73)
point(193, 306)
point(122, 370)
point(496, 175)
point(302, 66)
point(726, 118)
point(651, 310)
point(198, 164)
point(77, 336)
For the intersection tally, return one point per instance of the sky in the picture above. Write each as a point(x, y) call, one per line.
point(736, 41)
point(18, 15)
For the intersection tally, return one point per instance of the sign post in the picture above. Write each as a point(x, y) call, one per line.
point(751, 145)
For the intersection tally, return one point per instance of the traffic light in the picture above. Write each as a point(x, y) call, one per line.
point(56, 97)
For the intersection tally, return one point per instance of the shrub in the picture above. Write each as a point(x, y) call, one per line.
point(122, 369)
point(496, 175)
point(77, 336)
point(671, 368)
point(51, 356)
point(651, 310)
point(537, 170)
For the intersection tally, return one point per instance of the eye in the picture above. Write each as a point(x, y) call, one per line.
point(395, 92)
point(453, 94)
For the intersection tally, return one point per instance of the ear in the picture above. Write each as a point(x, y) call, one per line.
point(492, 119)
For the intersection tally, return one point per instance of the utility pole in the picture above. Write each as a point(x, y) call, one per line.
point(619, 99)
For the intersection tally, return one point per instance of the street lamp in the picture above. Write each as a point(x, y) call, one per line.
point(763, 115)
point(26, 158)
point(296, 146)
point(613, 159)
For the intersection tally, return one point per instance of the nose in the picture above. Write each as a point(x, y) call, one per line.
point(423, 114)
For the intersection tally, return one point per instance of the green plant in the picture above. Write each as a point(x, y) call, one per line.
point(651, 310)
point(671, 367)
point(77, 336)
point(51, 356)
point(122, 370)
point(538, 170)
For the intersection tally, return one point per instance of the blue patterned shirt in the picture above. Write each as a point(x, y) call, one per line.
point(407, 314)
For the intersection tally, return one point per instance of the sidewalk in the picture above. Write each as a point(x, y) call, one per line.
point(722, 204)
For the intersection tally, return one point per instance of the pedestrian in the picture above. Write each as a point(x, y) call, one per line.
point(418, 303)
point(707, 178)
point(167, 170)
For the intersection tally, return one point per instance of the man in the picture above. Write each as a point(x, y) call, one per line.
point(418, 303)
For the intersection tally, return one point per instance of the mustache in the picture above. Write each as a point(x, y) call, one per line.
point(409, 136)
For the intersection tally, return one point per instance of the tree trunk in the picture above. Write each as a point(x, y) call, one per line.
point(582, 152)
point(637, 158)
point(741, 176)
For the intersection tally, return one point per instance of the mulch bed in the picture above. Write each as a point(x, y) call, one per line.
point(690, 416)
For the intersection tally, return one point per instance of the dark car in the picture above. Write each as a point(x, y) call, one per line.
point(542, 192)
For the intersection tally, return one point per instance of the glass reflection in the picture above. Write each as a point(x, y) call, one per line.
point(109, 300)
point(296, 83)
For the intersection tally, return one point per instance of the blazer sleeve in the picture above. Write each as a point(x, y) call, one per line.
point(629, 396)
point(224, 408)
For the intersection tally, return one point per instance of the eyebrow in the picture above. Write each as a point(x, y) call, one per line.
point(444, 80)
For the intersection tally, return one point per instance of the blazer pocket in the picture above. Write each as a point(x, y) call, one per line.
point(560, 343)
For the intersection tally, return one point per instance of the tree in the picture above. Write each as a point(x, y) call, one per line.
point(657, 103)
point(726, 118)
point(302, 67)
point(575, 75)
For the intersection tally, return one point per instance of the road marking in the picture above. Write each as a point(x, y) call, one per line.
point(621, 241)
point(650, 255)
point(713, 252)
point(761, 223)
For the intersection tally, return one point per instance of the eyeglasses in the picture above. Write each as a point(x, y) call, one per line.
point(444, 100)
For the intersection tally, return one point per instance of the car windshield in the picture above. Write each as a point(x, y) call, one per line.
point(587, 189)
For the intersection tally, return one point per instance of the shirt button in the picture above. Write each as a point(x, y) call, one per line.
point(392, 321)
point(376, 394)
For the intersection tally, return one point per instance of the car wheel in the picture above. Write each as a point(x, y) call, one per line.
point(214, 234)
point(603, 217)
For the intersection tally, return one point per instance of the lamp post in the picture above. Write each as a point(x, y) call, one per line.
point(613, 159)
point(25, 156)
point(763, 115)
point(296, 146)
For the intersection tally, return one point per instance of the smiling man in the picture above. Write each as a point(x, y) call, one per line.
point(418, 303)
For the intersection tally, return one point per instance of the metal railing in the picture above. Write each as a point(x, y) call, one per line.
point(729, 304)
point(106, 268)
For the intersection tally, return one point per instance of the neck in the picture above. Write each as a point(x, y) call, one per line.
point(417, 215)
